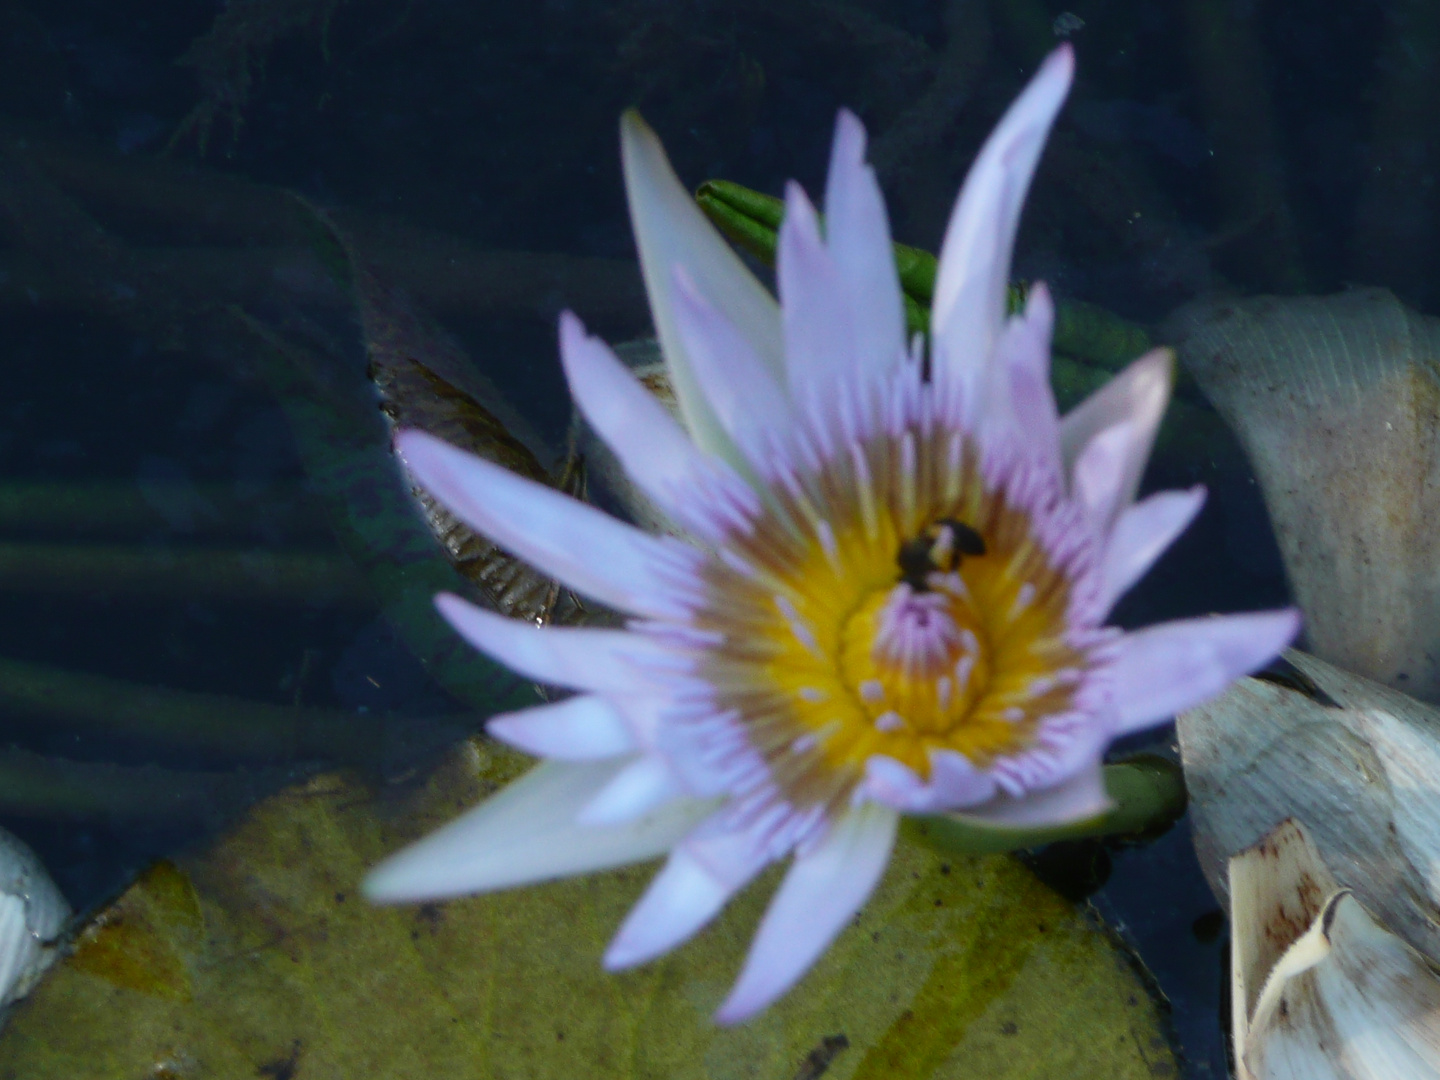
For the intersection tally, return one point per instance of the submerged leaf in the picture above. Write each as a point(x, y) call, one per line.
point(146, 940)
point(427, 382)
point(958, 968)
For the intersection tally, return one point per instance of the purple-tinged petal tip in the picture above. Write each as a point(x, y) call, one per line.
point(1166, 669)
point(817, 898)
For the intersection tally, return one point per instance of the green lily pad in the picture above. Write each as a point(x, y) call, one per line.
point(959, 967)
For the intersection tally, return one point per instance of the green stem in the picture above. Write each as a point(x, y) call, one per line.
point(1087, 332)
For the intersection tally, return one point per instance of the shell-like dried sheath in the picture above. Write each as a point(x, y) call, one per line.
point(1363, 773)
point(1337, 400)
point(1320, 990)
point(32, 913)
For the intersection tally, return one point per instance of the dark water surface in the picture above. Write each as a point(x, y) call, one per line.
point(1209, 144)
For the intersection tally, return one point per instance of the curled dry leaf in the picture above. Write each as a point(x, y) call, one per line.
point(1336, 400)
point(1319, 989)
point(426, 381)
point(1355, 760)
point(32, 912)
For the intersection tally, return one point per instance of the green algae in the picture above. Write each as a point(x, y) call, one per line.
point(959, 967)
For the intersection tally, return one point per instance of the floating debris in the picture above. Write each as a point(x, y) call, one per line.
point(1336, 400)
point(1359, 763)
point(1319, 989)
point(1066, 24)
point(32, 913)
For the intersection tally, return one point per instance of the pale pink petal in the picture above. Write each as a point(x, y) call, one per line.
point(1141, 534)
point(527, 832)
point(588, 550)
point(969, 303)
point(814, 308)
point(671, 231)
point(743, 394)
point(1077, 798)
point(857, 232)
point(1017, 401)
point(652, 448)
point(577, 729)
point(577, 658)
point(1099, 475)
point(703, 872)
point(1138, 395)
point(644, 784)
point(954, 782)
point(822, 890)
point(1166, 669)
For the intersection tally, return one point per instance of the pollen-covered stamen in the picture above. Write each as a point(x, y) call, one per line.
point(916, 634)
point(901, 594)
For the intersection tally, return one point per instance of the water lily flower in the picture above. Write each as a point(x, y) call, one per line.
point(892, 593)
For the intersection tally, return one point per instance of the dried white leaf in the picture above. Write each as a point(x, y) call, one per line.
point(32, 914)
point(1320, 990)
point(1335, 401)
point(1362, 773)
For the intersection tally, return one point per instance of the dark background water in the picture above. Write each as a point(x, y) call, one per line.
point(1255, 146)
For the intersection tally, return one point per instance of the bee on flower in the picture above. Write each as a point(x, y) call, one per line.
point(892, 593)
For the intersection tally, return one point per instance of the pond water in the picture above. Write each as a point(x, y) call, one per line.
point(177, 178)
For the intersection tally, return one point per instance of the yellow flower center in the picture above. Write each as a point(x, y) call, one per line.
point(910, 614)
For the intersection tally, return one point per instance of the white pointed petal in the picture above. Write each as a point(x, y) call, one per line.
point(562, 537)
point(671, 231)
point(1099, 475)
point(814, 307)
point(1079, 798)
point(1138, 395)
point(577, 658)
point(527, 832)
point(644, 784)
point(1141, 534)
point(857, 232)
point(699, 878)
point(1166, 669)
point(652, 448)
point(1017, 401)
point(580, 728)
point(822, 890)
point(744, 395)
point(969, 302)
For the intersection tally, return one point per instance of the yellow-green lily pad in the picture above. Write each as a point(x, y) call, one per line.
point(959, 967)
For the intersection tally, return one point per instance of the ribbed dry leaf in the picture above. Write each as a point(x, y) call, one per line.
point(1320, 990)
point(1359, 763)
point(1336, 400)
